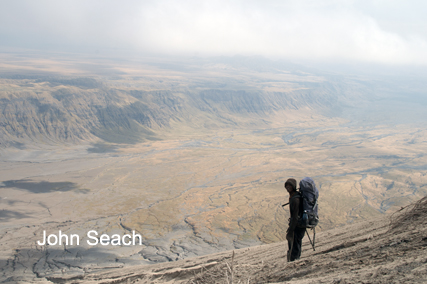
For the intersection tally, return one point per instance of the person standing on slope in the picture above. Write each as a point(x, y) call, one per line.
point(294, 234)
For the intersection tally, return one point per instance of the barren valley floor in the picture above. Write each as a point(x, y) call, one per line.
point(194, 195)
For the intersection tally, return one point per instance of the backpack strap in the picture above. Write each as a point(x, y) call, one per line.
point(297, 194)
point(314, 204)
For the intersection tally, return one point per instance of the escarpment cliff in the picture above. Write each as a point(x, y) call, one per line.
point(71, 113)
point(59, 110)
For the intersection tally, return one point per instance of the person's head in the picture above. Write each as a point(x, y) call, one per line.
point(291, 185)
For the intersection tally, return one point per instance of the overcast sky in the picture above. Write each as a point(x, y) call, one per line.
point(376, 31)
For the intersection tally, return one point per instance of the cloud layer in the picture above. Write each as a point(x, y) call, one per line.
point(391, 32)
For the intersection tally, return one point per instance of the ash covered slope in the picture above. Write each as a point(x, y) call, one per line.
point(376, 251)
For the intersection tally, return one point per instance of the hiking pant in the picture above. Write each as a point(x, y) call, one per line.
point(296, 246)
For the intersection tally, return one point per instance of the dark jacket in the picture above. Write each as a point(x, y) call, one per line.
point(294, 209)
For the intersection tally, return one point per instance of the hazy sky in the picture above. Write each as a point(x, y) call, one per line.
point(379, 31)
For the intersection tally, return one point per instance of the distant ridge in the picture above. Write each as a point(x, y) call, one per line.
point(60, 110)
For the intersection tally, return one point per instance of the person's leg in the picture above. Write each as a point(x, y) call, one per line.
point(290, 244)
point(296, 248)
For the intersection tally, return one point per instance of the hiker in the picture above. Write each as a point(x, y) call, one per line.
point(295, 233)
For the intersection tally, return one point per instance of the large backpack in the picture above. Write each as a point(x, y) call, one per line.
point(309, 196)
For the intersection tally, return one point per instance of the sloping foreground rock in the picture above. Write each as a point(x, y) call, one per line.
point(387, 250)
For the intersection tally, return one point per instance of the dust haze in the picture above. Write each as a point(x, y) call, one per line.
point(384, 32)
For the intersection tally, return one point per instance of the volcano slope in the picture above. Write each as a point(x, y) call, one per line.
point(386, 250)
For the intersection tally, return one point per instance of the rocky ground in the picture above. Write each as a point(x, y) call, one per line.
point(386, 250)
